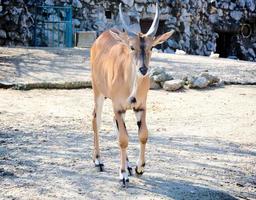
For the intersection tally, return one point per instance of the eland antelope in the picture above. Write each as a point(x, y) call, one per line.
point(119, 64)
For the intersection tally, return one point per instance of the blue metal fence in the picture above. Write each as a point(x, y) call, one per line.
point(53, 26)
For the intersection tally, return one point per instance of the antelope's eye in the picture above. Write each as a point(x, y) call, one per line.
point(132, 48)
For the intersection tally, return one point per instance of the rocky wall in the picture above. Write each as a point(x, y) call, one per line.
point(227, 27)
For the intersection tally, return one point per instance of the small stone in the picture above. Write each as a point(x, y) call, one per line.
point(180, 52)
point(154, 85)
point(199, 82)
point(211, 79)
point(173, 85)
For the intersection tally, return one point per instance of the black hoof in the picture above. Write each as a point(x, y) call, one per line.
point(124, 182)
point(129, 170)
point(100, 167)
point(137, 172)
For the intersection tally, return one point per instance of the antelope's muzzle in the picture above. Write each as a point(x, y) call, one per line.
point(143, 70)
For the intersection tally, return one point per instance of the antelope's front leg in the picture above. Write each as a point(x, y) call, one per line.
point(123, 144)
point(140, 114)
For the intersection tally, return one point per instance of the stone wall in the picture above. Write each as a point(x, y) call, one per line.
point(202, 26)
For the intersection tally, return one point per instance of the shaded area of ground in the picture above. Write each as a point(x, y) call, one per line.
point(44, 66)
point(201, 146)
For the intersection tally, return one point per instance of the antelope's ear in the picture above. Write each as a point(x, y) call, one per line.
point(119, 35)
point(162, 38)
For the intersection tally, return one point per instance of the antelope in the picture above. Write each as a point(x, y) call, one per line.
point(120, 66)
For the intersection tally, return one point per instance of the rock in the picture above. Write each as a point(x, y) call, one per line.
point(49, 3)
point(160, 77)
point(139, 7)
point(250, 4)
point(173, 85)
point(76, 22)
point(211, 79)
point(2, 34)
point(180, 52)
point(209, 45)
point(213, 18)
point(199, 82)
point(220, 12)
point(251, 52)
point(168, 50)
point(242, 3)
point(237, 15)
point(151, 8)
point(233, 57)
point(141, 1)
point(128, 2)
point(214, 55)
point(173, 44)
point(156, 50)
point(156, 70)
point(77, 4)
point(154, 85)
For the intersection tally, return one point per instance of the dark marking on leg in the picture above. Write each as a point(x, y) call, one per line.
point(138, 109)
point(133, 100)
point(97, 156)
point(122, 170)
point(121, 112)
point(105, 97)
point(124, 125)
point(139, 124)
point(117, 125)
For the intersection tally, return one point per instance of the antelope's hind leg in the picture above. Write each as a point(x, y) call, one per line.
point(96, 121)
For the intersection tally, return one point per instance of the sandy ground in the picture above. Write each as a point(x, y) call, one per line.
point(202, 145)
point(58, 65)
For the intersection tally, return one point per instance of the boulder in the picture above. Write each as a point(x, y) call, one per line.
point(156, 70)
point(173, 85)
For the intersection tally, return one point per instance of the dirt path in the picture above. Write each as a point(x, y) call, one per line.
point(202, 146)
point(65, 65)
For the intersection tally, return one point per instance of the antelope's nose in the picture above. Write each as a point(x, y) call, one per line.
point(143, 70)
